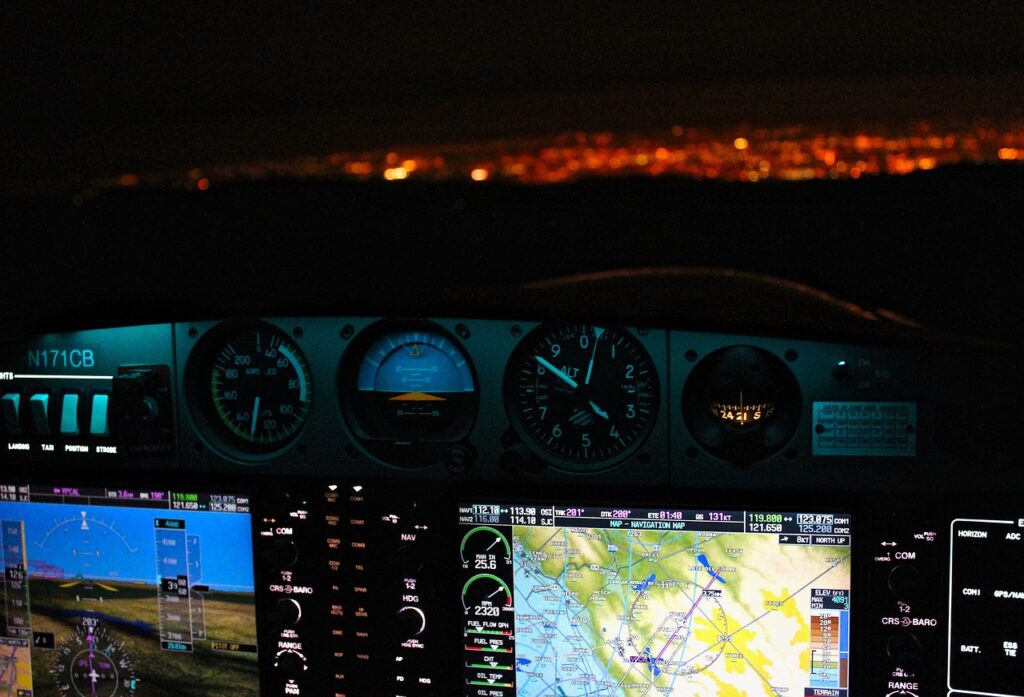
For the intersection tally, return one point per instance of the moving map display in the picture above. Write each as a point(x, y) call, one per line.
point(585, 601)
point(126, 592)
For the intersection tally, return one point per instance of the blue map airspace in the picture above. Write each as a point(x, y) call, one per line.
point(551, 622)
point(117, 543)
point(619, 613)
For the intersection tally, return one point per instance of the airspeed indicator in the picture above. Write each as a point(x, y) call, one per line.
point(252, 387)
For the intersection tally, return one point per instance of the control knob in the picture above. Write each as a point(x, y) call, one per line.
point(412, 620)
point(290, 662)
point(282, 553)
point(407, 559)
point(905, 581)
point(286, 612)
point(904, 649)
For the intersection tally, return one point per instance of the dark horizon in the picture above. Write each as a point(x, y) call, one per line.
point(92, 90)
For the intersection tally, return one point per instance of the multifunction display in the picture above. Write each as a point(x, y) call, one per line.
point(574, 600)
point(126, 592)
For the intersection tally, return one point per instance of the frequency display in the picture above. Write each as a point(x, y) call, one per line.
point(568, 601)
point(126, 592)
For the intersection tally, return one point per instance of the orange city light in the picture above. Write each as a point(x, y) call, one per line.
point(786, 153)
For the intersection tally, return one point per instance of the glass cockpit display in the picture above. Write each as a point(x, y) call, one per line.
point(576, 600)
point(126, 592)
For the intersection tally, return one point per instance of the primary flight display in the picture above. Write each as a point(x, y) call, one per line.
point(126, 592)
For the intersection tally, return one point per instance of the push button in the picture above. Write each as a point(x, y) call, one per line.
point(39, 407)
point(98, 425)
point(11, 407)
point(69, 415)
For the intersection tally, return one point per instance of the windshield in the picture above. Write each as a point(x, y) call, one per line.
point(772, 140)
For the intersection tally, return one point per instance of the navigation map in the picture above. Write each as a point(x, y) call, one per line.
point(632, 607)
point(104, 600)
point(665, 613)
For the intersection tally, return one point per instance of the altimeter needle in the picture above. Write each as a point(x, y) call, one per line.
point(598, 331)
point(558, 373)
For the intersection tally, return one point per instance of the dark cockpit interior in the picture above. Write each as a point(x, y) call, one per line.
point(457, 351)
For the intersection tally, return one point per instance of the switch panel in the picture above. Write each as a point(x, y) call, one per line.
point(10, 404)
point(69, 415)
point(98, 423)
point(39, 407)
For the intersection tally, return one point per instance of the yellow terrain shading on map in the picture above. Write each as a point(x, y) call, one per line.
point(638, 614)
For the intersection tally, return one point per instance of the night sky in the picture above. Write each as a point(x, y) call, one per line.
point(95, 88)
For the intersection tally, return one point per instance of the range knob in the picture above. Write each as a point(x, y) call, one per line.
point(290, 662)
point(412, 620)
point(286, 612)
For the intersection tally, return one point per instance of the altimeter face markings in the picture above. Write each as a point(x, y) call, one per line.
point(582, 393)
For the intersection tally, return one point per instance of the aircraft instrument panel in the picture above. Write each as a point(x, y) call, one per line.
point(366, 506)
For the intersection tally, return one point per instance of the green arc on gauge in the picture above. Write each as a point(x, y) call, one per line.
point(478, 577)
point(462, 547)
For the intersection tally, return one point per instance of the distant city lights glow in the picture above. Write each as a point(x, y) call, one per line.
point(790, 153)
